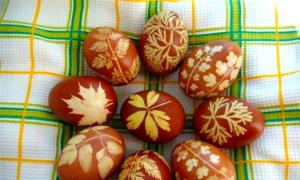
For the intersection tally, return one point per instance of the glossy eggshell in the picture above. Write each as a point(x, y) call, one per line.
point(146, 164)
point(163, 43)
point(199, 160)
point(95, 153)
point(228, 122)
point(153, 116)
point(210, 69)
point(112, 55)
point(83, 101)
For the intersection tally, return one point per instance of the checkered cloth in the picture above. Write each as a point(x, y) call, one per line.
point(41, 43)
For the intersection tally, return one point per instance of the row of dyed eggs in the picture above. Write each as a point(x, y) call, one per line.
point(207, 71)
point(156, 116)
point(97, 152)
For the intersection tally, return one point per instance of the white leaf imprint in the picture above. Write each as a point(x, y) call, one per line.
point(85, 157)
point(104, 166)
point(113, 148)
point(210, 80)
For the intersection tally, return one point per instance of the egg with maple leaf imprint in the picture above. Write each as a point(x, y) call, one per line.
point(210, 69)
point(193, 159)
point(145, 164)
point(112, 55)
point(94, 153)
point(228, 122)
point(163, 43)
point(153, 116)
point(83, 101)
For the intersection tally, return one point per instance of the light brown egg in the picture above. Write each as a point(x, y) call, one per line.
point(95, 153)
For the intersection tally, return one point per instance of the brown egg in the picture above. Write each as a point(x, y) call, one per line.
point(112, 55)
point(145, 165)
point(210, 69)
point(95, 153)
point(199, 160)
point(153, 116)
point(163, 43)
point(83, 101)
point(228, 122)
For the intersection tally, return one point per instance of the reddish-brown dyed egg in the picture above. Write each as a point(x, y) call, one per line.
point(163, 43)
point(228, 122)
point(153, 116)
point(146, 165)
point(95, 153)
point(83, 101)
point(210, 69)
point(199, 160)
point(112, 55)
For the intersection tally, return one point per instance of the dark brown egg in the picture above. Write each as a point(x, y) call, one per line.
point(145, 164)
point(112, 55)
point(153, 116)
point(228, 122)
point(164, 42)
point(83, 101)
point(210, 69)
point(199, 160)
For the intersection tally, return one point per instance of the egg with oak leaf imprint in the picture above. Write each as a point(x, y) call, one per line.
point(112, 55)
point(210, 69)
point(153, 116)
point(95, 153)
point(83, 101)
point(197, 160)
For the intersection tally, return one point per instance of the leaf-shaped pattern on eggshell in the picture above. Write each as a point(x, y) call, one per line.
point(151, 168)
point(158, 49)
point(113, 147)
point(122, 47)
point(104, 166)
point(151, 128)
point(70, 152)
point(134, 165)
point(210, 80)
point(99, 46)
point(216, 131)
point(152, 117)
point(68, 157)
point(92, 104)
point(85, 157)
point(82, 146)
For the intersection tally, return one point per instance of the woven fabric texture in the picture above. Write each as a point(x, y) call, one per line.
point(41, 43)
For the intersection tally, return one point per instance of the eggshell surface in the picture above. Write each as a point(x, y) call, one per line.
point(95, 153)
